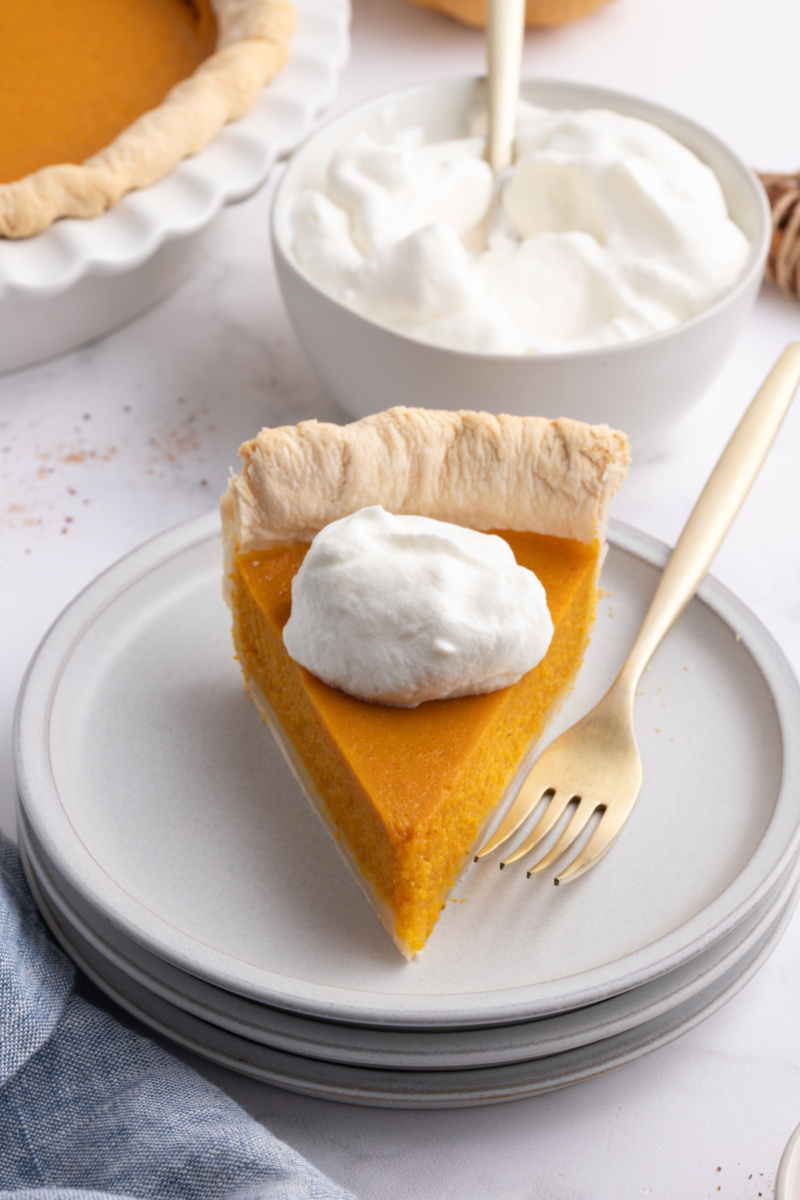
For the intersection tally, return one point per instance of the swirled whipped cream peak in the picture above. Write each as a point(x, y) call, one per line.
point(605, 229)
point(402, 609)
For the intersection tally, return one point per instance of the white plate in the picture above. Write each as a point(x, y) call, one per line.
point(80, 279)
point(391, 1049)
point(409, 1089)
point(157, 794)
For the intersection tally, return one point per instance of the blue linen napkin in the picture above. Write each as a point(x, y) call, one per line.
point(90, 1110)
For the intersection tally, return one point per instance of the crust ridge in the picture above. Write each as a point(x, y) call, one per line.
point(252, 46)
point(470, 468)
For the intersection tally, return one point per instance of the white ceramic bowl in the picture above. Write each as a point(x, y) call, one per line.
point(641, 387)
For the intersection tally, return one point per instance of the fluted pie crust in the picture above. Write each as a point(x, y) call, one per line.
point(252, 45)
point(406, 791)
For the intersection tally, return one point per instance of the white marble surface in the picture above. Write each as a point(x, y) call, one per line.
point(116, 442)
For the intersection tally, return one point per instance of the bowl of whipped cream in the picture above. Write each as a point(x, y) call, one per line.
point(604, 275)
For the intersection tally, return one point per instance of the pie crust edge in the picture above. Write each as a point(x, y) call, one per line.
point(470, 468)
point(252, 46)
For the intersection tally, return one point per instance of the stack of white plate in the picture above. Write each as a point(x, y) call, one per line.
point(173, 857)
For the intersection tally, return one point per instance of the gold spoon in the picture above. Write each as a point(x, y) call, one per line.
point(505, 34)
point(505, 37)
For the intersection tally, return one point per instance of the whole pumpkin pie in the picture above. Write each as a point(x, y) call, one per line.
point(101, 96)
point(405, 791)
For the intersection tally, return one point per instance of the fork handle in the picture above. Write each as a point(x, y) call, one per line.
point(713, 514)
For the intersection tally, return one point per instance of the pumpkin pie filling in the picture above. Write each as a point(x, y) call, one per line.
point(407, 789)
point(102, 64)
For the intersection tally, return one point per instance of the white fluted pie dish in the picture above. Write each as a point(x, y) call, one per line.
point(80, 279)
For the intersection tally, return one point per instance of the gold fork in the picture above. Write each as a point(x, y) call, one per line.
point(596, 764)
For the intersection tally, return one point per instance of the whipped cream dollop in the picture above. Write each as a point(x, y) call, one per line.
point(403, 609)
point(605, 229)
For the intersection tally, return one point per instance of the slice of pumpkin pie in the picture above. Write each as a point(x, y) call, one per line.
point(404, 781)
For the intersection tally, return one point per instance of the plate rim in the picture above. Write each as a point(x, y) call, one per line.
point(37, 791)
point(442, 1089)
point(401, 1056)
